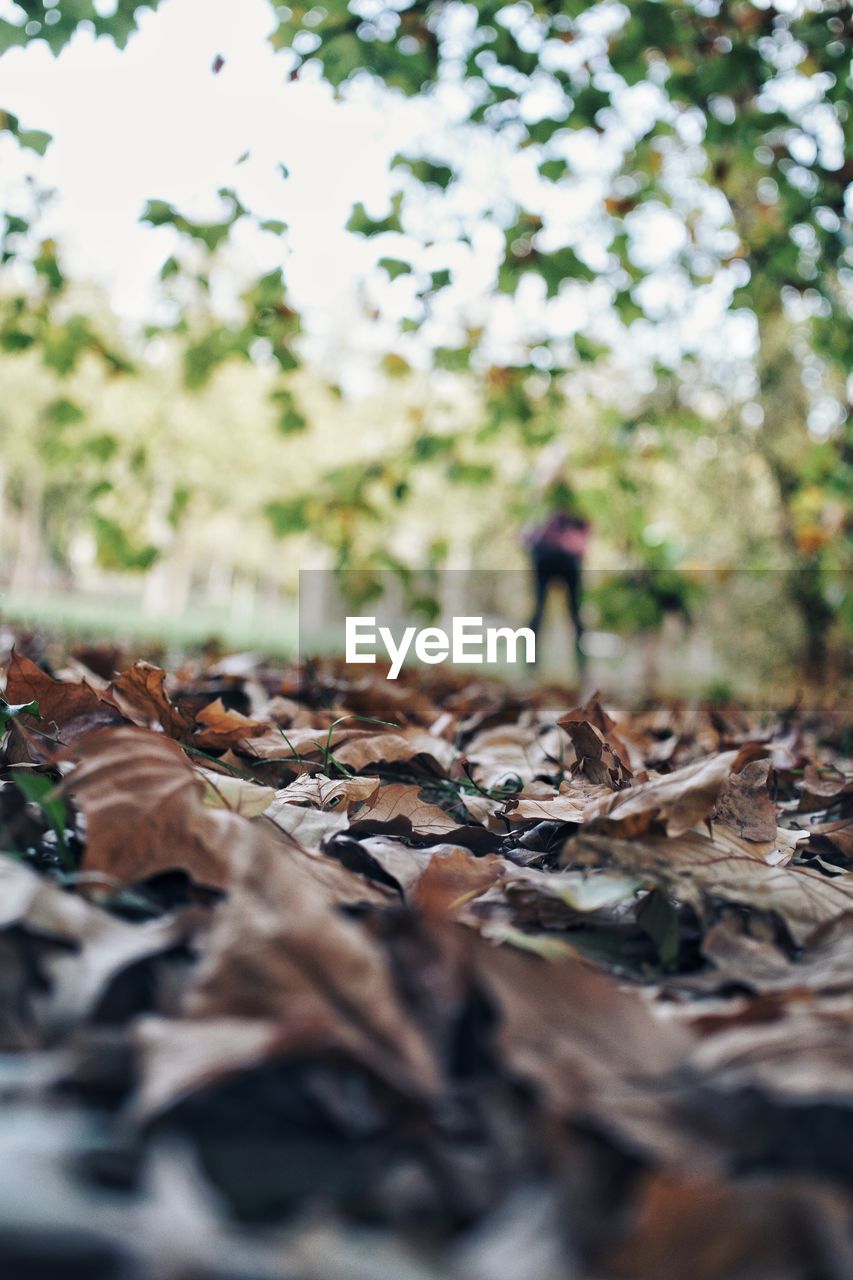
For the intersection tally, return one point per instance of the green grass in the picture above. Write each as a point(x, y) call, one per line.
point(87, 617)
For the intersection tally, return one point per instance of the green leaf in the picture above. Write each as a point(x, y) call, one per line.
point(12, 710)
point(435, 175)
point(289, 421)
point(288, 517)
point(657, 916)
point(44, 792)
point(362, 224)
point(395, 267)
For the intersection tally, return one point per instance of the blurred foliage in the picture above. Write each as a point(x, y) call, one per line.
point(743, 140)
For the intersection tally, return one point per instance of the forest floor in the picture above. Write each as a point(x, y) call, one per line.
point(323, 979)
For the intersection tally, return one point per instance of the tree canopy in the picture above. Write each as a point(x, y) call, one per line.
point(672, 153)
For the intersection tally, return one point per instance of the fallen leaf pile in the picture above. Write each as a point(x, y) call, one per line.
point(311, 977)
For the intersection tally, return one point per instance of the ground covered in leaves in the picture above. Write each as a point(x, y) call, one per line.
point(332, 980)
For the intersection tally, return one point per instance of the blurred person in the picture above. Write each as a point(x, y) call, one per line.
point(556, 545)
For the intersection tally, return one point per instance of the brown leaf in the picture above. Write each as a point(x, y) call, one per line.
point(399, 809)
point(601, 755)
point(688, 1225)
point(145, 812)
point(514, 754)
point(674, 802)
point(179, 1056)
point(819, 789)
point(452, 879)
point(68, 710)
point(223, 728)
point(281, 952)
point(386, 700)
point(292, 745)
point(569, 1030)
point(400, 861)
point(319, 792)
point(705, 871)
point(400, 806)
point(140, 693)
point(824, 964)
point(570, 804)
point(800, 1053)
point(744, 803)
point(386, 748)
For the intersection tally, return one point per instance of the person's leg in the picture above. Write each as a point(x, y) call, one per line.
point(541, 578)
point(572, 578)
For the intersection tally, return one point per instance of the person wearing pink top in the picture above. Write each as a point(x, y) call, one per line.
point(556, 547)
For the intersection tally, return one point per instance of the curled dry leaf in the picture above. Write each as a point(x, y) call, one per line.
point(744, 803)
point(319, 792)
point(822, 787)
point(140, 693)
point(514, 754)
point(600, 755)
point(145, 811)
point(673, 803)
point(404, 864)
point(221, 727)
point(570, 804)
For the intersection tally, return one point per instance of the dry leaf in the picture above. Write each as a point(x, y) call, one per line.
point(223, 728)
point(601, 755)
point(280, 951)
point(386, 748)
point(570, 804)
point(744, 803)
point(225, 791)
point(704, 871)
point(68, 709)
point(145, 811)
point(674, 802)
point(825, 963)
point(564, 1027)
point(687, 1225)
point(311, 828)
point(578, 890)
point(320, 792)
point(140, 693)
point(452, 879)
